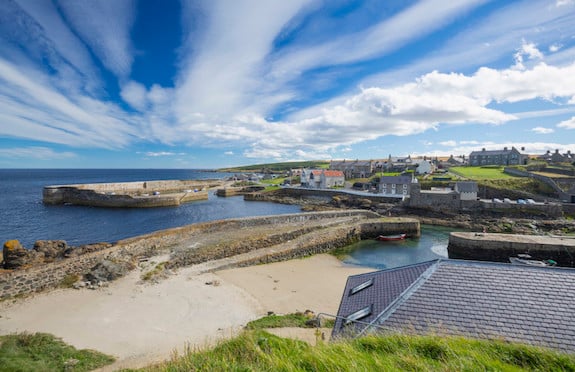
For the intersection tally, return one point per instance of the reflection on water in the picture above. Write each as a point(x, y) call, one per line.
point(383, 255)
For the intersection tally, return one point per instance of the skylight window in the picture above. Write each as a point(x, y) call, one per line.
point(360, 314)
point(361, 286)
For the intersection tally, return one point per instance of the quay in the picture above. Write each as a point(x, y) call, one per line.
point(499, 247)
point(142, 194)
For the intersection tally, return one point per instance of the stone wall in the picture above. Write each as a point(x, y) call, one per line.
point(499, 247)
point(128, 194)
point(51, 275)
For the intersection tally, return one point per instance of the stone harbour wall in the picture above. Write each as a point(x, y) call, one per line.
point(499, 247)
point(51, 275)
point(143, 194)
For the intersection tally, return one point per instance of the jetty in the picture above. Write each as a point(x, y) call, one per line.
point(500, 247)
point(140, 194)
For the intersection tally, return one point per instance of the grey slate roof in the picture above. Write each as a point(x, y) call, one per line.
point(531, 305)
point(463, 186)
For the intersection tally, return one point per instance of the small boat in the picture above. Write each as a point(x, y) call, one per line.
point(386, 238)
point(525, 259)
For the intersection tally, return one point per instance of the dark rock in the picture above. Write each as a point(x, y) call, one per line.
point(15, 256)
point(107, 270)
point(51, 249)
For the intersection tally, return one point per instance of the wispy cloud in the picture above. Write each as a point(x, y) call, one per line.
point(543, 130)
point(38, 153)
point(568, 124)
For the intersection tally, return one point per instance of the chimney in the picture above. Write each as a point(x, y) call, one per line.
point(483, 149)
point(505, 148)
point(522, 148)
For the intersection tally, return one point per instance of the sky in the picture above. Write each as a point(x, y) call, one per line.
point(218, 83)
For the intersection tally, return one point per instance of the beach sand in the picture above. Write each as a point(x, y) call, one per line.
point(141, 323)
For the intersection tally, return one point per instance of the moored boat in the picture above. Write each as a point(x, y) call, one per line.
point(391, 237)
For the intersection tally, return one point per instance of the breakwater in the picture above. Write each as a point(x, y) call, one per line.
point(499, 247)
point(267, 239)
point(144, 194)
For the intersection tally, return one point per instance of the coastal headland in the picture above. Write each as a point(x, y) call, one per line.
point(143, 194)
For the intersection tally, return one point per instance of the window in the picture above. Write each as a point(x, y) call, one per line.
point(360, 314)
point(361, 287)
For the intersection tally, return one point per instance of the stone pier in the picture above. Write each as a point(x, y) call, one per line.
point(499, 247)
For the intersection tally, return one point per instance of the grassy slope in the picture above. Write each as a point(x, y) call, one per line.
point(261, 351)
point(481, 173)
point(44, 352)
point(278, 167)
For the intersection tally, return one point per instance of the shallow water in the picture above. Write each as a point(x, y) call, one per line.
point(384, 255)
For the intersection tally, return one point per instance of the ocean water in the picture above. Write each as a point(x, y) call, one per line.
point(24, 217)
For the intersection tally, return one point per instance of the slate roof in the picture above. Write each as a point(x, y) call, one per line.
point(463, 186)
point(532, 305)
point(396, 179)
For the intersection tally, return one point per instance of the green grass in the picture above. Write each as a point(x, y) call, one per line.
point(278, 167)
point(481, 173)
point(288, 320)
point(44, 352)
point(261, 351)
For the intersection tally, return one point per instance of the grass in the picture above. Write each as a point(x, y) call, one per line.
point(481, 173)
point(289, 320)
point(44, 352)
point(261, 351)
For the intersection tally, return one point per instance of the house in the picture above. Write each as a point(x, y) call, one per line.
point(331, 178)
point(424, 166)
point(467, 190)
point(321, 178)
point(498, 157)
point(557, 157)
point(355, 168)
point(396, 186)
point(526, 304)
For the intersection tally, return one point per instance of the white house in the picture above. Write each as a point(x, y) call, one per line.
point(331, 178)
point(396, 186)
point(424, 166)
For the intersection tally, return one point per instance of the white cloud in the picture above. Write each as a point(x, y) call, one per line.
point(568, 124)
point(560, 3)
point(555, 48)
point(135, 94)
point(162, 153)
point(39, 153)
point(229, 153)
point(105, 28)
point(542, 130)
point(448, 143)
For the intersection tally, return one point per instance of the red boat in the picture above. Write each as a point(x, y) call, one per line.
point(391, 237)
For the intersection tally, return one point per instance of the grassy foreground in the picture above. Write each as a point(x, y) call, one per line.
point(260, 351)
point(44, 352)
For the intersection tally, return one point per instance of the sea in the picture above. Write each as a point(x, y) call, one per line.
point(25, 218)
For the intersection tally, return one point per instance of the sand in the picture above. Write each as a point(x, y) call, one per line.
point(141, 323)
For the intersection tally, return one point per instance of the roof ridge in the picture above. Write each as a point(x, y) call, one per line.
point(390, 309)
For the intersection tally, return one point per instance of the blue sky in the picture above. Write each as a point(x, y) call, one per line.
point(208, 84)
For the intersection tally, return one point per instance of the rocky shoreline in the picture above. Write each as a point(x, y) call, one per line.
point(484, 222)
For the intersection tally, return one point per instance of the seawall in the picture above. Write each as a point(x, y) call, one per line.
point(499, 247)
point(355, 225)
point(144, 194)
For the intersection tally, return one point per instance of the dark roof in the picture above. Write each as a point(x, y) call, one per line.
point(494, 152)
point(396, 179)
point(466, 186)
point(533, 305)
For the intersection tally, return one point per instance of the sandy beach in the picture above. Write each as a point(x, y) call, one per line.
point(141, 323)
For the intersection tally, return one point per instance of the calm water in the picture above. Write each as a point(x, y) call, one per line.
point(26, 218)
point(383, 255)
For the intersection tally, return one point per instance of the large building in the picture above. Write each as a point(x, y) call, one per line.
point(531, 305)
point(498, 157)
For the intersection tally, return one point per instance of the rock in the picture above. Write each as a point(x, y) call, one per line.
point(106, 271)
point(15, 256)
point(51, 249)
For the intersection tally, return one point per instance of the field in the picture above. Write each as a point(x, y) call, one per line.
point(480, 173)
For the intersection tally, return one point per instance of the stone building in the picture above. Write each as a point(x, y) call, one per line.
point(396, 186)
point(498, 157)
point(321, 178)
point(355, 168)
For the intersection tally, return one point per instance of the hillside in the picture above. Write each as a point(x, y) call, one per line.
point(277, 167)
